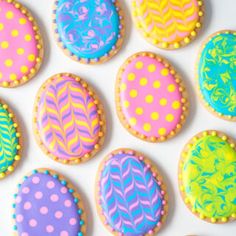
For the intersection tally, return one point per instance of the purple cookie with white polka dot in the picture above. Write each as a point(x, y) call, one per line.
point(47, 204)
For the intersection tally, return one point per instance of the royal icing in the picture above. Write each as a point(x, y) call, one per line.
point(46, 204)
point(131, 196)
point(69, 119)
point(150, 97)
point(9, 141)
point(168, 23)
point(20, 45)
point(217, 73)
point(208, 178)
point(89, 30)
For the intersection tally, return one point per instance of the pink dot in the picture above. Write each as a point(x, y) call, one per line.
point(67, 203)
point(58, 214)
point(64, 233)
point(38, 195)
point(72, 221)
point(54, 197)
point(49, 228)
point(35, 180)
point(64, 190)
point(19, 218)
point(50, 184)
point(24, 234)
point(33, 223)
point(18, 199)
point(43, 210)
point(27, 206)
point(25, 190)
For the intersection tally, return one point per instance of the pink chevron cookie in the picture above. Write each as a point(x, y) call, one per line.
point(21, 49)
point(151, 100)
point(69, 120)
point(131, 196)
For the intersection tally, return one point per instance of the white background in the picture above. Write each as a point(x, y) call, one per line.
point(219, 15)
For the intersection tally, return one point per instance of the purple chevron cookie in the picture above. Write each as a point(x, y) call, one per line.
point(131, 197)
point(69, 120)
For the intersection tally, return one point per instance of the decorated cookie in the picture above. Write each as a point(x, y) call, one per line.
point(131, 195)
point(168, 24)
point(21, 49)
point(69, 120)
point(89, 31)
point(207, 176)
point(150, 97)
point(47, 204)
point(216, 74)
point(10, 140)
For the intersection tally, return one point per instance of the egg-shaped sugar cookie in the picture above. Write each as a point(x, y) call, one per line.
point(69, 120)
point(168, 24)
point(48, 204)
point(89, 31)
point(151, 100)
point(130, 194)
point(216, 74)
point(10, 140)
point(207, 177)
point(21, 46)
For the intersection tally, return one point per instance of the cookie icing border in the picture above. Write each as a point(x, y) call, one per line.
point(18, 135)
point(202, 99)
point(182, 89)
point(40, 47)
point(172, 46)
point(109, 55)
point(65, 182)
point(100, 112)
point(184, 151)
point(156, 174)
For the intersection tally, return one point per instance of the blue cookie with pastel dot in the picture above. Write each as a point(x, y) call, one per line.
point(90, 31)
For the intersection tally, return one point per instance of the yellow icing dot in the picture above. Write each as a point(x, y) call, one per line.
point(22, 21)
point(164, 72)
point(139, 65)
point(162, 131)
point(27, 37)
point(139, 111)
point(126, 104)
point(169, 117)
point(163, 102)
point(20, 51)
point(171, 88)
point(131, 76)
point(157, 84)
point(31, 57)
point(132, 121)
point(149, 98)
point(4, 44)
point(13, 77)
point(14, 33)
point(147, 127)
point(151, 68)
point(123, 87)
point(155, 115)
point(143, 81)
point(176, 105)
point(1, 26)
point(133, 93)
point(9, 15)
point(8, 63)
point(24, 69)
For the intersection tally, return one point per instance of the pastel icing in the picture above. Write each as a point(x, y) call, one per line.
point(209, 178)
point(149, 97)
point(130, 196)
point(9, 141)
point(217, 73)
point(167, 21)
point(67, 117)
point(20, 51)
point(44, 205)
point(88, 29)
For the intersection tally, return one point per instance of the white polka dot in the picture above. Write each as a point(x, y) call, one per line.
point(24, 234)
point(72, 221)
point(35, 180)
point(64, 233)
point(58, 214)
point(18, 199)
point(54, 197)
point(38, 195)
point(43, 210)
point(67, 203)
point(19, 218)
point(50, 184)
point(27, 205)
point(49, 228)
point(64, 190)
point(33, 223)
point(26, 190)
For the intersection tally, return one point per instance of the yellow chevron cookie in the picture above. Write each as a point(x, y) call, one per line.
point(168, 24)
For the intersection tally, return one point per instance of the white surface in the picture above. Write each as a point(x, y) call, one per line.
point(219, 15)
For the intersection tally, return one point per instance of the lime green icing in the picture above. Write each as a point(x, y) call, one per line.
point(209, 177)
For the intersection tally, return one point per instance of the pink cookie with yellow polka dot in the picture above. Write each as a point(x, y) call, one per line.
point(151, 99)
point(21, 49)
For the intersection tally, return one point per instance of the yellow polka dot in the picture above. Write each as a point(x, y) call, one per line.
point(31, 57)
point(126, 104)
point(27, 37)
point(1, 26)
point(143, 81)
point(162, 131)
point(139, 65)
point(147, 127)
point(139, 111)
point(8, 63)
point(20, 51)
point(171, 88)
point(164, 72)
point(155, 115)
point(14, 33)
point(131, 76)
point(163, 102)
point(151, 68)
point(24, 69)
point(0, 75)
point(133, 93)
point(22, 21)
point(4, 44)
point(149, 98)
point(132, 121)
point(123, 87)
point(176, 105)
point(13, 77)
point(169, 117)
point(9, 15)
point(157, 84)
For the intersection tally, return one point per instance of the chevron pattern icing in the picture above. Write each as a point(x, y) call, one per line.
point(67, 119)
point(130, 196)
